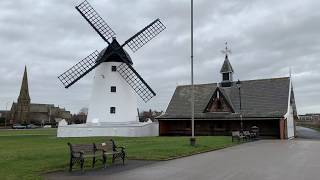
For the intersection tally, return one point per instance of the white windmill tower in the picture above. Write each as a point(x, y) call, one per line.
point(113, 102)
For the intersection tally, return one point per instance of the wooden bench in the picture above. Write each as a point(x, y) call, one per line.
point(237, 135)
point(109, 148)
point(80, 152)
point(248, 135)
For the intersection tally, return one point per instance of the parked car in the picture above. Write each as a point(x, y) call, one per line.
point(47, 126)
point(18, 126)
point(32, 126)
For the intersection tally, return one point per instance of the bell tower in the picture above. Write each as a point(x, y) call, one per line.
point(226, 69)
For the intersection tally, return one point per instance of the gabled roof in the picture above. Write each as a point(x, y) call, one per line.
point(114, 53)
point(226, 67)
point(223, 97)
point(260, 98)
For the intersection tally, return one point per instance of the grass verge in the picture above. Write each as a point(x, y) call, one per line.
point(26, 154)
point(311, 126)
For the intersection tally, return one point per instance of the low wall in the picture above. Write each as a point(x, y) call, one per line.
point(85, 130)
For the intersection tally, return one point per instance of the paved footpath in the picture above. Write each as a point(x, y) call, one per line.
point(307, 133)
point(260, 160)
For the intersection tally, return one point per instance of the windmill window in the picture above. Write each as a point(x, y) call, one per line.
point(113, 68)
point(112, 110)
point(113, 89)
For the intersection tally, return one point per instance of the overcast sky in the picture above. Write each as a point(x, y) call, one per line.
point(266, 38)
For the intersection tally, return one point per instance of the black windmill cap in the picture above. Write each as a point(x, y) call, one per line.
point(114, 53)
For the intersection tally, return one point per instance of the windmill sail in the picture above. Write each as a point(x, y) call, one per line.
point(113, 52)
point(136, 82)
point(79, 70)
point(95, 20)
point(145, 35)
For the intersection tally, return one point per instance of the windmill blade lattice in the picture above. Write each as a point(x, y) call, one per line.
point(95, 20)
point(136, 81)
point(79, 70)
point(145, 35)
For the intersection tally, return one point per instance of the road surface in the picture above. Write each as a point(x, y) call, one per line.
point(307, 133)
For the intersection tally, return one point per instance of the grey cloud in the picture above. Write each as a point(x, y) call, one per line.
point(266, 37)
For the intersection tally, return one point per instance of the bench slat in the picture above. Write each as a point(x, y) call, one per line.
point(85, 148)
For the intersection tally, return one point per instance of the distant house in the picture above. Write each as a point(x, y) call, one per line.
point(309, 119)
point(266, 103)
point(80, 118)
point(3, 117)
point(25, 112)
point(150, 115)
point(3, 113)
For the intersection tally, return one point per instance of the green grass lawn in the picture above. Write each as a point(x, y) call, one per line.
point(312, 126)
point(26, 154)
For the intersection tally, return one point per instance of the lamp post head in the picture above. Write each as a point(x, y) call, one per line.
point(238, 83)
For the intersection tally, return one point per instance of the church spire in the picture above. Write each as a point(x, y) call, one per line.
point(226, 69)
point(24, 91)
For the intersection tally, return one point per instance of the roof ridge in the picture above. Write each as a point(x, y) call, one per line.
point(276, 78)
point(41, 104)
point(197, 84)
point(215, 83)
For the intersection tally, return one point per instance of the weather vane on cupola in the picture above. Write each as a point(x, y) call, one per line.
point(227, 50)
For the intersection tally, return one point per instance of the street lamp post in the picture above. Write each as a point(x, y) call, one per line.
point(239, 87)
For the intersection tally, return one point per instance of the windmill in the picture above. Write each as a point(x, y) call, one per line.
point(115, 80)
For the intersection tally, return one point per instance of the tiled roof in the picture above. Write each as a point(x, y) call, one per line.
point(260, 98)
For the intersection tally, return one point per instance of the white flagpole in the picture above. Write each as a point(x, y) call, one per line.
point(192, 140)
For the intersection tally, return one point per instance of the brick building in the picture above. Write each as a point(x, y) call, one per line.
point(229, 105)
